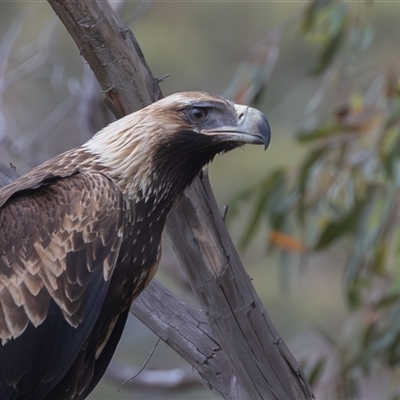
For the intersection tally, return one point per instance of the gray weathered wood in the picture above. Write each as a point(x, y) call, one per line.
point(258, 355)
point(265, 368)
point(188, 333)
point(112, 52)
point(7, 175)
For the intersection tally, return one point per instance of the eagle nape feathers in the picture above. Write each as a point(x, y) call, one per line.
point(80, 237)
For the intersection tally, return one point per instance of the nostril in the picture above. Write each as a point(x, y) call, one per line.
point(242, 113)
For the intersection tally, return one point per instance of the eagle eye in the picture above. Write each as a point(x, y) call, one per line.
point(198, 114)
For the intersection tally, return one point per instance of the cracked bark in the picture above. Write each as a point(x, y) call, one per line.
point(237, 350)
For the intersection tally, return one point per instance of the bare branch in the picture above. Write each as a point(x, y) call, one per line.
point(172, 379)
point(7, 175)
point(265, 368)
point(33, 140)
point(112, 52)
point(187, 332)
point(257, 354)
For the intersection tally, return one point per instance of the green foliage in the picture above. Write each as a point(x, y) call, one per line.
point(345, 195)
point(334, 27)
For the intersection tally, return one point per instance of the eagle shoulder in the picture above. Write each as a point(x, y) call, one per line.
point(53, 241)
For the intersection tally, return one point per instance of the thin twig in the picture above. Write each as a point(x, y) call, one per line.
point(143, 366)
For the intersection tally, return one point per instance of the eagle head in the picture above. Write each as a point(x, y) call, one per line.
point(157, 151)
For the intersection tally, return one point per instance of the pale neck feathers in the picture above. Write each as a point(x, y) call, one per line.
point(127, 147)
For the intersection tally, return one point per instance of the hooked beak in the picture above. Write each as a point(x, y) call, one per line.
point(252, 127)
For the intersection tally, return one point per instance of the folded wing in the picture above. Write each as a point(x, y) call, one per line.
point(59, 245)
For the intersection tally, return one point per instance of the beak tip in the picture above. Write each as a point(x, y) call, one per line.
point(265, 129)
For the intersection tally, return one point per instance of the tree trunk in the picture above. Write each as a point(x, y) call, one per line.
point(239, 352)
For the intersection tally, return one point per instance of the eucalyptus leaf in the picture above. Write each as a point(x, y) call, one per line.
point(321, 132)
point(316, 371)
point(344, 225)
point(275, 183)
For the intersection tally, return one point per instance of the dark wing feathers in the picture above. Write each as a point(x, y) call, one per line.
point(105, 357)
point(57, 253)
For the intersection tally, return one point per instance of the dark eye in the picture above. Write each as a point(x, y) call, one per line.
point(198, 114)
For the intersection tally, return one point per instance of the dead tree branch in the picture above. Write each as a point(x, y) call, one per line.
point(160, 380)
point(258, 355)
point(187, 332)
point(265, 369)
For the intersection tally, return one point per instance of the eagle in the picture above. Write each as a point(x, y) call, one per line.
point(80, 237)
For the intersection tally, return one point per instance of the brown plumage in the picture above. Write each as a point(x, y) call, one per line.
point(80, 237)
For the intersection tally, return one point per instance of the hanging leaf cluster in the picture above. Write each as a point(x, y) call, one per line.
point(344, 196)
point(335, 28)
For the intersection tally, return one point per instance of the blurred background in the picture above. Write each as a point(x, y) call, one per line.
point(314, 217)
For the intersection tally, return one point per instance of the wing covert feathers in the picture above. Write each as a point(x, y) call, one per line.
point(52, 242)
